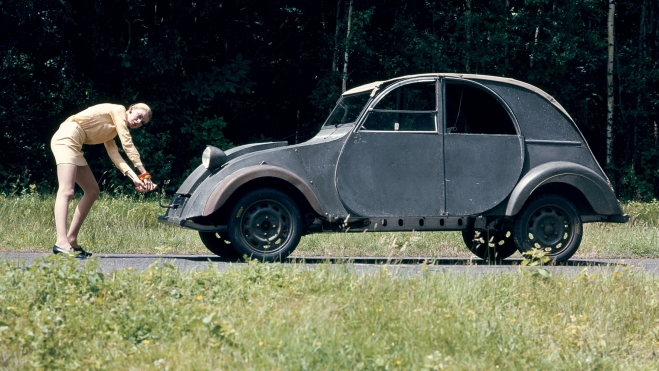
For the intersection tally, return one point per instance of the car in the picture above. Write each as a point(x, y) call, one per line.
point(495, 158)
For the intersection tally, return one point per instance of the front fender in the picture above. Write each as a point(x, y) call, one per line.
point(595, 188)
point(231, 183)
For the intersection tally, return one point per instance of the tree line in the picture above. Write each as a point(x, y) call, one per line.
point(232, 72)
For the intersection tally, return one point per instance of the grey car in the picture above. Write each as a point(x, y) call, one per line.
point(495, 158)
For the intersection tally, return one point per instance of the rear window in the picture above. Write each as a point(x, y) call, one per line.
point(471, 110)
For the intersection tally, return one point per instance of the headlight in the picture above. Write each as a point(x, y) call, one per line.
point(213, 157)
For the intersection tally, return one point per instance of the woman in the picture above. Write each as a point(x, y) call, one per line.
point(95, 125)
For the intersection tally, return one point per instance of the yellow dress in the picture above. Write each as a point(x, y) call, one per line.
point(95, 125)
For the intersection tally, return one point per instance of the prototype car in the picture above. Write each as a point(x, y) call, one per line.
point(495, 158)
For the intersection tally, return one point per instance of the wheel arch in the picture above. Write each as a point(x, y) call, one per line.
point(588, 191)
point(236, 185)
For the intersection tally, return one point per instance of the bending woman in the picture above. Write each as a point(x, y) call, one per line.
point(95, 125)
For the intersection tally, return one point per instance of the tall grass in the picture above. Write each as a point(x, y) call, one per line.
point(128, 224)
point(116, 224)
point(56, 314)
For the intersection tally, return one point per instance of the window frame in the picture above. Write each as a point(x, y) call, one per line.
point(437, 112)
point(336, 105)
point(486, 89)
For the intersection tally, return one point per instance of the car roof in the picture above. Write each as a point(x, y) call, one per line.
point(507, 80)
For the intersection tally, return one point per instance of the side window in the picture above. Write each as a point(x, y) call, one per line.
point(470, 110)
point(411, 107)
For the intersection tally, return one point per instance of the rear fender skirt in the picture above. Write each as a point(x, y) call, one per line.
point(595, 188)
point(231, 183)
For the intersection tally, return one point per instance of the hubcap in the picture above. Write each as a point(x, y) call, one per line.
point(266, 226)
point(549, 228)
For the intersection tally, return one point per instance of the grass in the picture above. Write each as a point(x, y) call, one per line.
point(62, 314)
point(121, 224)
point(57, 314)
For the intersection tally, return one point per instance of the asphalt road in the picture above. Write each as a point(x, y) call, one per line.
point(403, 266)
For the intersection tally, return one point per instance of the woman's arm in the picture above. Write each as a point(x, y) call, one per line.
point(142, 183)
point(119, 119)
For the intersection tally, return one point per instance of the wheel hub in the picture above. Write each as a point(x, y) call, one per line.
point(265, 225)
point(549, 229)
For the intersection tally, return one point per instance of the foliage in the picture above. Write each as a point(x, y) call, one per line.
point(532, 260)
point(220, 80)
point(261, 70)
point(58, 314)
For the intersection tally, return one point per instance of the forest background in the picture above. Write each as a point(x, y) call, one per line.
point(232, 72)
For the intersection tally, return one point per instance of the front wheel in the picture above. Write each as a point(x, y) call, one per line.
point(550, 223)
point(265, 225)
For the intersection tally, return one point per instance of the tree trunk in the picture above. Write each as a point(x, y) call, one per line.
point(638, 125)
point(535, 40)
point(609, 85)
point(506, 59)
point(345, 59)
point(468, 36)
point(298, 92)
point(336, 37)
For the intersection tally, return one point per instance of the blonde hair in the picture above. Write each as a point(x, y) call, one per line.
point(144, 107)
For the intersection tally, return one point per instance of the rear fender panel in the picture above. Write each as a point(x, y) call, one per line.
point(595, 188)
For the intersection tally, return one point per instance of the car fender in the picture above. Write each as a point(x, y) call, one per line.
point(231, 183)
point(596, 190)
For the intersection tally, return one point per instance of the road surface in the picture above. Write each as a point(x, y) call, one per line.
point(365, 265)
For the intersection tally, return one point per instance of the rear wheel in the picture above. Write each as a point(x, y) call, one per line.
point(550, 223)
point(219, 244)
point(265, 225)
point(492, 247)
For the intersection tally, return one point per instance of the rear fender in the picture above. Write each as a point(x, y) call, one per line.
point(595, 188)
point(231, 183)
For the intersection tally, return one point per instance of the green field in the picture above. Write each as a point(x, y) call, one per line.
point(124, 224)
point(57, 315)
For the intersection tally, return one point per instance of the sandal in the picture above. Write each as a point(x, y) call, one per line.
point(80, 255)
point(81, 251)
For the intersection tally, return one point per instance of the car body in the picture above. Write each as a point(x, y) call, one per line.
point(495, 158)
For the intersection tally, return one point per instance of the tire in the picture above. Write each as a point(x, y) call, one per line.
point(551, 223)
point(499, 246)
point(265, 225)
point(217, 244)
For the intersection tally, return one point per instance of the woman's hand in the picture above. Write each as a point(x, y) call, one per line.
point(144, 184)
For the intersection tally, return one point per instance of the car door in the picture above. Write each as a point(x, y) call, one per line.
point(483, 150)
point(392, 164)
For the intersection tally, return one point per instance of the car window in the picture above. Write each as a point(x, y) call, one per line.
point(411, 97)
point(411, 107)
point(347, 110)
point(471, 110)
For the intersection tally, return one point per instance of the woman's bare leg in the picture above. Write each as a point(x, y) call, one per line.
point(66, 176)
point(86, 180)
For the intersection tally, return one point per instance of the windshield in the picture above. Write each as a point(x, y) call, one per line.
point(348, 109)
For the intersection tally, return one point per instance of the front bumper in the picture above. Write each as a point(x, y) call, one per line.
point(188, 224)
